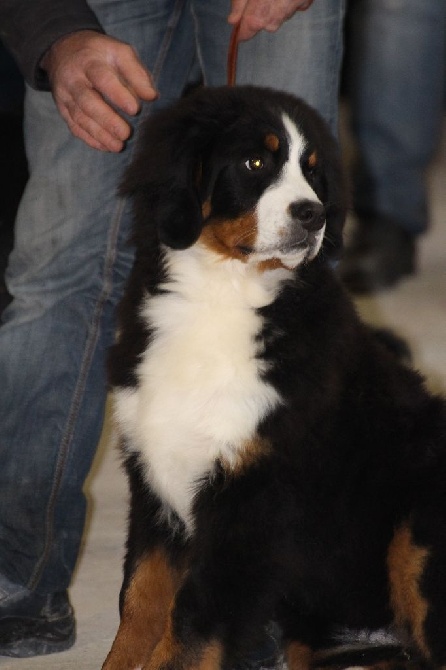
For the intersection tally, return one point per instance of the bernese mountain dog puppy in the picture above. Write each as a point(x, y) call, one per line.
point(283, 465)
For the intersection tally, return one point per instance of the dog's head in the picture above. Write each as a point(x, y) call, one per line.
point(252, 173)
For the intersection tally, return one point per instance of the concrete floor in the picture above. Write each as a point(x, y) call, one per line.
point(416, 309)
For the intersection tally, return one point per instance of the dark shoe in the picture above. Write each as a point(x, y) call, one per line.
point(36, 625)
point(379, 255)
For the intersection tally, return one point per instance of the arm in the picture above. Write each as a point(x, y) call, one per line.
point(60, 46)
point(28, 29)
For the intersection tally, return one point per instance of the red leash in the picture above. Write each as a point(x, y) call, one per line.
point(232, 55)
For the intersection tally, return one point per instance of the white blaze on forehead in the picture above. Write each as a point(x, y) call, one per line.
point(272, 210)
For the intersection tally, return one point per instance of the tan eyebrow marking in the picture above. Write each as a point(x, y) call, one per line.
point(272, 142)
point(312, 160)
point(206, 209)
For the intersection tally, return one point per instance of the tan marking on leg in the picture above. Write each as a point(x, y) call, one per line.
point(406, 563)
point(272, 142)
point(233, 238)
point(172, 653)
point(298, 656)
point(146, 605)
point(212, 656)
point(168, 650)
point(249, 454)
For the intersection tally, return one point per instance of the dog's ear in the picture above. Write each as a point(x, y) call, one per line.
point(336, 206)
point(164, 178)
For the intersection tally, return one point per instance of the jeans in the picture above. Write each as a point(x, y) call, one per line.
point(396, 87)
point(71, 259)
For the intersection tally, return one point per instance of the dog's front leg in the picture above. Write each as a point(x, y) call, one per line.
point(183, 652)
point(218, 617)
point(145, 608)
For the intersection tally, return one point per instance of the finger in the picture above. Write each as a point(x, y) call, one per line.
point(103, 124)
point(88, 104)
point(137, 78)
point(255, 17)
point(237, 9)
point(80, 133)
point(106, 81)
point(109, 143)
point(305, 5)
point(249, 27)
point(89, 140)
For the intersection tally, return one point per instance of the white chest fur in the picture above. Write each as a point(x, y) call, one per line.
point(200, 393)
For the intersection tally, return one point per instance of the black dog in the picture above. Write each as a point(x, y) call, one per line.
point(283, 465)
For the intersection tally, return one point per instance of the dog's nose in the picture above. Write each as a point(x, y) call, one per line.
point(310, 214)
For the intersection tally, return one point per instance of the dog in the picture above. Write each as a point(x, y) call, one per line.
point(283, 464)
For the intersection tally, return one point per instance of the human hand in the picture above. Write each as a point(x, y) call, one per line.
point(91, 74)
point(257, 15)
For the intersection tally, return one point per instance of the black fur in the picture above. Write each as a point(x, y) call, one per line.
point(302, 535)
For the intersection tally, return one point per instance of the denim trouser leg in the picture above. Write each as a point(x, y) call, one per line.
point(70, 262)
point(66, 274)
point(396, 89)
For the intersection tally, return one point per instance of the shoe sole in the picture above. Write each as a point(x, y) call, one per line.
point(33, 638)
point(35, 647)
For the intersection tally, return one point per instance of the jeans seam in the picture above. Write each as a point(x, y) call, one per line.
point(84, 371)
point(167, 40)
point(334, 76)
point(197, 41)
point(92, 338)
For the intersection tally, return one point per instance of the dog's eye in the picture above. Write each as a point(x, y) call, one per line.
point(311, 171)
point(253, 164)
